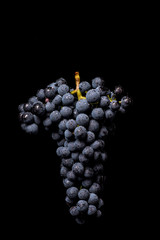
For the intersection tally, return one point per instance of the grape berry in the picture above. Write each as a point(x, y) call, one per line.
point(79, 121)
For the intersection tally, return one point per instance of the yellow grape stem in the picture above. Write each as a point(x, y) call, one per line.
point(79, 95)
point(110, 99)
point(77, 90)
point(73, 92)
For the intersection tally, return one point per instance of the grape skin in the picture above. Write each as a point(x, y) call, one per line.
point(83, 194)
point(93, 199)
point(72, 192)
point(98, 113)
point(92, 96)
point(83, 205)
point(97, 82)
point(55, 116)
point(82, 119)
point(84, 86)
point(88, 151)
point(27, 107)
point(27, 117)
point(82, 106)
point(91, 210)
point(80, 132)
point(32, 129)
point(50, 92)
point(67, 183)
point(74, 211)
point(67, 99)
point(50, 106)
point(57, 100)
point(66, 112)
point(78, 168)
point(104, 102)
point(38, 108)
point(63, 89)
point(93, 126)
point(90, 137)
point(71, 124)
point(83, 159)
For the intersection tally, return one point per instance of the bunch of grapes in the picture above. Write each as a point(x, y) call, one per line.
point(80, 121)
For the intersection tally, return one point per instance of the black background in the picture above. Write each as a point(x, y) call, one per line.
point(39, 54)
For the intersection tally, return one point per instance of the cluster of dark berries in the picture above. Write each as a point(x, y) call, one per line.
point(79, 121)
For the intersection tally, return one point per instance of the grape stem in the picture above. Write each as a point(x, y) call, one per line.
point(111, 99)
point(77, 90)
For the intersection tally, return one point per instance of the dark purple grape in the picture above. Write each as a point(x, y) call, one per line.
point(27, 117)
point(27, 107)
point(38, 109)
point(118, 91)
point(50, 92)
